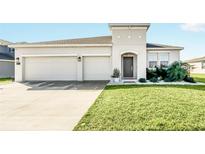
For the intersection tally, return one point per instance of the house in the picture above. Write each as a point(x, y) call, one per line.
point(197, 65)
point(93, 58)
point(6, 60)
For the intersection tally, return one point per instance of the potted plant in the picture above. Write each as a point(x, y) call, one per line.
point(116, 75)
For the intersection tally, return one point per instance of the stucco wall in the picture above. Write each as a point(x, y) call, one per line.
point(6, 69)
point(74, 51)
point(197, 68)
point(130, 41)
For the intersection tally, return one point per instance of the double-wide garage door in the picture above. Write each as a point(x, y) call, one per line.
point(66, 68)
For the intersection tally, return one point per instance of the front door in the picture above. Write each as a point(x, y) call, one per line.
point(127, 66)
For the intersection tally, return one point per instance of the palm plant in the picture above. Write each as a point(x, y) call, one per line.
point(177, 71)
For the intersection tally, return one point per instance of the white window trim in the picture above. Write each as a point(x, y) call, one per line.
point(158, 60)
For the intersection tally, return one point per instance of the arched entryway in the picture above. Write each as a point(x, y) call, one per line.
point(129, 65)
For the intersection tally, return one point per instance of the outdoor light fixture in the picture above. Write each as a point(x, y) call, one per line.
point(79, 59)
point(18, 61)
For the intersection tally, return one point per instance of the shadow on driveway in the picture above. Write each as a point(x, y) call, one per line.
point(65, 85)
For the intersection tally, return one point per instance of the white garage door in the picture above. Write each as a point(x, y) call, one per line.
point(50, 68)
point(97, 68)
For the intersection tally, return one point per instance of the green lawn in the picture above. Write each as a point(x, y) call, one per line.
point(5, 80)
point(199, 77)
point(147, 108)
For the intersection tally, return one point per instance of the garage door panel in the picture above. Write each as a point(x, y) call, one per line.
point(97, 68)
point(50, 68)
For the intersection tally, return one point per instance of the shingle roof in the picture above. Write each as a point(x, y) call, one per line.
point(4, 42)
point(92, 40)
point(161, 46)
point(4, 56)
point(200, 59)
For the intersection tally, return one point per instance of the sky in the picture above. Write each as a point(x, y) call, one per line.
point(189, 36)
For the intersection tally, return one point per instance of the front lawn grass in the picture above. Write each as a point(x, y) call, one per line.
point(199, 77)
point(5, 80)
point(144, 107)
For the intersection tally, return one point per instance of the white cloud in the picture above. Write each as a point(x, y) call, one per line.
point(193, 27)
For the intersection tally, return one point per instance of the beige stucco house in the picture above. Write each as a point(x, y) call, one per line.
point(197, 65)
point(93, 58)
point(6, 60)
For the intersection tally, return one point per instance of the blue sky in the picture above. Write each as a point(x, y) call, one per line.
point(190, 36)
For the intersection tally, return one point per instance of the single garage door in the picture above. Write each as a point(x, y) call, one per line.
point(97, 68)
point(50, 68)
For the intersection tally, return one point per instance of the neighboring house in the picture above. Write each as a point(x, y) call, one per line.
point(6, 60)
point(197, 65)
point(93, 58)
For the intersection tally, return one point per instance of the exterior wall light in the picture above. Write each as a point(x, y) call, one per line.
point(79, 59)
point(18, 61)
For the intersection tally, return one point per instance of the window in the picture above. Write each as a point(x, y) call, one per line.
point(158, 59)
point(163, 59)
point(152, 59)
point(203, 65)
point(164, 63)
point(11, 50)
point(152, 64)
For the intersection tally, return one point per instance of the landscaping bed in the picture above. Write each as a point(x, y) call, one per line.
point(147, 107)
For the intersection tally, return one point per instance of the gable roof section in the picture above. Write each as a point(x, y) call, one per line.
point(200, 59)
point(4, 42)
point(154, 46)
point(92, 41)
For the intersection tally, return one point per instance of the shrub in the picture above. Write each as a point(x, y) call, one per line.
point(143, 80)
point(154, 79)
point(167, 80)
point(151, 73)
point(177, 71)
point(189, 79)
point(161, 72)
point(116, 73)
point(158, 72)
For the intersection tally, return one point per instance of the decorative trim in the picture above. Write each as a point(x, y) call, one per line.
point(4, 60)
point(158, 49)
point(129, 51)
point(96, 55)
point(67, 55)
point(58, 45)
point(129, 27)
point(51, 55)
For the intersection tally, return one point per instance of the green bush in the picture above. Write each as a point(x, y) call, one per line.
point(143, 80)
point(177, 71)
point(154, 79)
point(161, 72)
point(167, 80)
point(189, 79)
point(151, 72)
point(158, 72)
point(116, 73)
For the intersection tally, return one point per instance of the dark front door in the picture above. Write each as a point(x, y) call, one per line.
point(127, 66)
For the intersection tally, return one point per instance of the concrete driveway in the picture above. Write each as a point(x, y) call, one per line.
point(46, 105)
